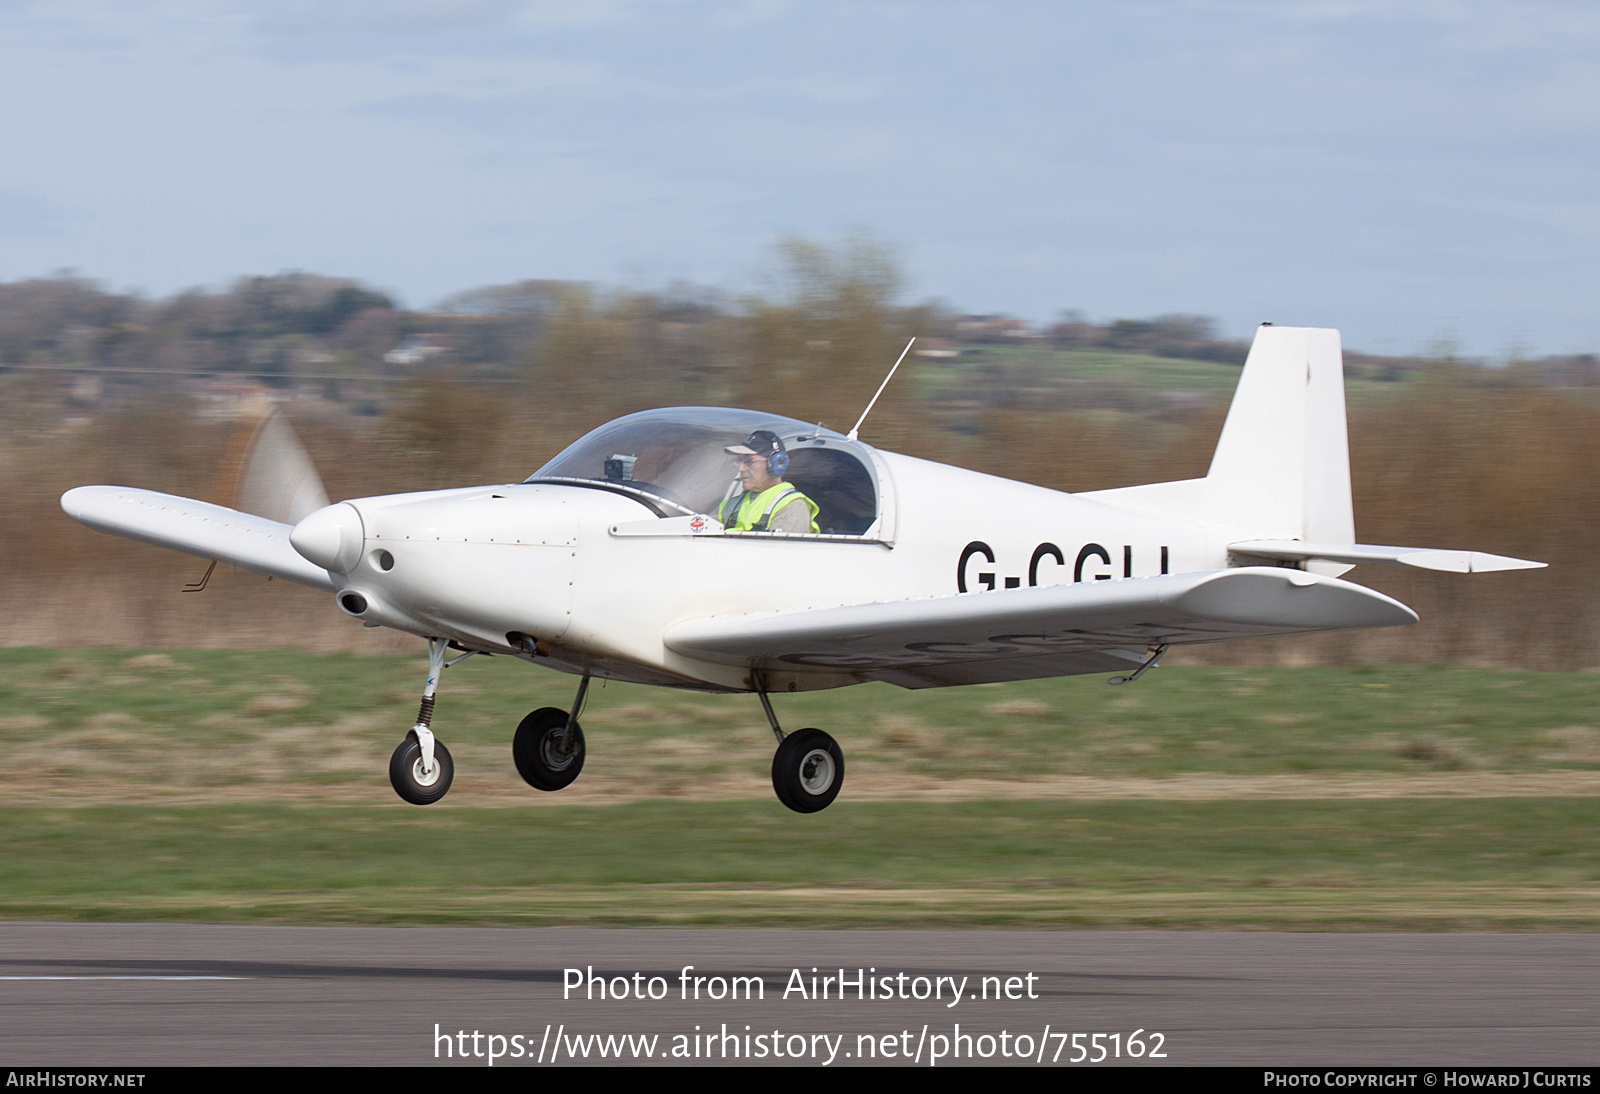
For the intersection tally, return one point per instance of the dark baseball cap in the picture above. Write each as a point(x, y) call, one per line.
point(763, 442)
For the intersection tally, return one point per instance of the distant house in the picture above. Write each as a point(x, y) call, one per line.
point(417, 349)
point(86, 388)
point(993, 328)
point(936, 347)
point(1075, 332)
point(226, 398)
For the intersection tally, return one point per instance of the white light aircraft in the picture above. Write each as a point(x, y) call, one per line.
point(608, 562)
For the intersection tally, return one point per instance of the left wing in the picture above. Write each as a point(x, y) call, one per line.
point(1021, 634)
point(196, 528)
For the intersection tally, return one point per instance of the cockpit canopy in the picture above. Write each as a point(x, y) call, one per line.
point(673, 460)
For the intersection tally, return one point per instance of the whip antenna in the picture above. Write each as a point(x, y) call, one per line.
point(857, 428)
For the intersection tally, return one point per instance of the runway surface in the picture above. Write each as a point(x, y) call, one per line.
point(150, 994)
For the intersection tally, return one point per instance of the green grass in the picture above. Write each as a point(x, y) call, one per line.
point(219, 719)
point(251, 787)
point(1300, 865)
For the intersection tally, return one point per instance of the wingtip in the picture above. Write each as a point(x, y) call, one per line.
point(76, 501)
point(1485, 563)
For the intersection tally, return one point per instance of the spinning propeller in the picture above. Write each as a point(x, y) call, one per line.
point(276, 478)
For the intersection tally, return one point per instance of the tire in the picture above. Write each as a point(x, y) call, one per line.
point(808, 770)
point(405, 772)
point(536, 750)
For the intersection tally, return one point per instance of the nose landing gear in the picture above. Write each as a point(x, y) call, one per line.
point(420, 770)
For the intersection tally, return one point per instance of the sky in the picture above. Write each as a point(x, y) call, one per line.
point(1416, 174)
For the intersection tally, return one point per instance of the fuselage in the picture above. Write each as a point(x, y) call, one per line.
point(588, 578)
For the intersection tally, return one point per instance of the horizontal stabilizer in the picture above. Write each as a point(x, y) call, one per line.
point(196, 528)
point(1019, 634)
point(1457, 562)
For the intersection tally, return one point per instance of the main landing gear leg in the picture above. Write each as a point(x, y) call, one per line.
point(421, 768)
point(808, 768)
point(760, 680)
point(548, 747)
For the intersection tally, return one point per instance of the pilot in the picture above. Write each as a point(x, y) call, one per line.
point(767, 503)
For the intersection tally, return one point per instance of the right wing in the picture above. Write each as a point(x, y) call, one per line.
point(196, 528)
point(1021, 634)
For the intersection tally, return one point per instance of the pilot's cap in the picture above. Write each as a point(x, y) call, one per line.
point(763, 442)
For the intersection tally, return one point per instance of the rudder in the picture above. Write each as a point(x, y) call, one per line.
point(1282, 465)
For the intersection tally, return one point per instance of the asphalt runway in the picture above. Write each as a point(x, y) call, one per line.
point(123, 996)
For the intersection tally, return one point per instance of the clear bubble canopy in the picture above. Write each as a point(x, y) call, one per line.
point(676, 458)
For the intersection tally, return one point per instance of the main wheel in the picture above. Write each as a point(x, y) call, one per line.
point(547, 759)
point(808, 770)
point(408, 778)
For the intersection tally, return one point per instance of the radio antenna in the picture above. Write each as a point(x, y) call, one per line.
point(857, 428)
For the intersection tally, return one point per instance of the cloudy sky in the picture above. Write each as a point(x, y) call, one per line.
point(1405, 171)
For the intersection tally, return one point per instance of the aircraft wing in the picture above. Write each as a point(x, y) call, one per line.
point(1022, 634)
point(196, 528)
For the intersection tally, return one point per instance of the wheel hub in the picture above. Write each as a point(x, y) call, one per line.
point(558, 751)
point(816, 771)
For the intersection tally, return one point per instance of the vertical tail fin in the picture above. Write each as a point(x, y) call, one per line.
point(1282, 465)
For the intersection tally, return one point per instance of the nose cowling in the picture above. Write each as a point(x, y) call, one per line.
point(332, 537)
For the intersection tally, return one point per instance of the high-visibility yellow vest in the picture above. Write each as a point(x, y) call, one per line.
point(753, 512)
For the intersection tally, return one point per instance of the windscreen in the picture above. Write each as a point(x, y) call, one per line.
point(675, 455)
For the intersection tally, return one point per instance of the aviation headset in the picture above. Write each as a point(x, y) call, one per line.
point(765, 442)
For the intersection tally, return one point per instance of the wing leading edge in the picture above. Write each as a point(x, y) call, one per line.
point(1021, 634)
point(196, 528)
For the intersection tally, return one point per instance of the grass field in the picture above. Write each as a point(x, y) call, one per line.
point(236, 787)
point(1395, 864)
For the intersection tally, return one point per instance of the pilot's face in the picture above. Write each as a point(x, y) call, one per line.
point(753, 474)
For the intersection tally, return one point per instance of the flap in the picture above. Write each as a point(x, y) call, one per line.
point(194, 527)
point(1057, 630)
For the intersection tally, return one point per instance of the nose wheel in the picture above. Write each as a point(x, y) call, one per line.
point(415, 781)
